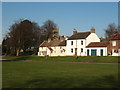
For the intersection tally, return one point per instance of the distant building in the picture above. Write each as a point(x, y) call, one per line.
point(52, 48)
point(80, 44)
point(68, 46)
point(55, 34)
point(110, 47)
point(114, 46)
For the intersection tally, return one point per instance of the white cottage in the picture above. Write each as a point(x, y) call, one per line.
point(97, 49)
point(52, 48)
point(76, 44)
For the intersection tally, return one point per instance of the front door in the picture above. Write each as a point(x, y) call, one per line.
point(101, 52)
point(93, 52)
point(75, 51)
point(87, 52)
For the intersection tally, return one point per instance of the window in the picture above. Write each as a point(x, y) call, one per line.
point(113, 43)
point(81, 42)
point(113, 50)
point(81, 49)
point(72, 50)
point(61, 51)
point(71, 42)
point(54, 47)
point(60, 47)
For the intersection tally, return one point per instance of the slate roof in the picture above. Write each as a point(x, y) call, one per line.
point(51, 43)
point(63, 43)
point(81, 35)
point(44, 44)
point(117, 37)
point(98, 44)
point(54, 43)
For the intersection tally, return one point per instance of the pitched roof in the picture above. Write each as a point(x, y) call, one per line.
point(51, 43)
point(81, 35)
point(44, 44)
point(54, 43)
point(117, 37)
point(63, 43)
point(98, 44)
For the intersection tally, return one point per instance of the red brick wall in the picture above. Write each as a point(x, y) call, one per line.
point(110, 47)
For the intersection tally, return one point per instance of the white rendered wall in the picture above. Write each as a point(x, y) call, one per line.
point(98, 50)
point(92, 38)
point(41, 49)
point(69, 47)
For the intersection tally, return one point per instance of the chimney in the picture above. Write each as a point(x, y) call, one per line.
point(74, 31)
point(92, 30)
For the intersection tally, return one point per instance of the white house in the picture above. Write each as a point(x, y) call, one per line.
point(97, 49)
point(76, 44)
point(52, 48)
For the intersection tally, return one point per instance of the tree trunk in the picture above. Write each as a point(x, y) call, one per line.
point(17, 53)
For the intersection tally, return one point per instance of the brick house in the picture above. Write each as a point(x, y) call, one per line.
point(114, 46)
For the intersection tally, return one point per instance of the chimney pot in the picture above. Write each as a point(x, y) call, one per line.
point(74, 31)
point(92, 30)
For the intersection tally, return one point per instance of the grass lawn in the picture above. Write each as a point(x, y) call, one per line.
point(92, 59)
point(42, 72)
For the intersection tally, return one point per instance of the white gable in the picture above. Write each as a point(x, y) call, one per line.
point(92, 38)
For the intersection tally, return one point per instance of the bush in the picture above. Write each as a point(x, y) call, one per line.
point(26, 53)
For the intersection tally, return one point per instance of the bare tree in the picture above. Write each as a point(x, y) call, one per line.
point(111, 31)
point(48, 26)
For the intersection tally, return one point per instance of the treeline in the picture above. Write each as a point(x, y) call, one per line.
point(26, 36)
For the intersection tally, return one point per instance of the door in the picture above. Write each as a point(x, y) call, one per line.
point(75, 51)
point(93, 52)
point(87, 52)
point(101, 52)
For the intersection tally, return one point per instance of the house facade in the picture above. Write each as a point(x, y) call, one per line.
point(52, 48)
point(97, 49)
point(114, 46)
point(76, 44)
point(81, 44)
point(106, 48)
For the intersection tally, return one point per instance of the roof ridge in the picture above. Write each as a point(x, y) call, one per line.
point(83, 32)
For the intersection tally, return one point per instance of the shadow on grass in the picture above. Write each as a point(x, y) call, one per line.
point(102, 82)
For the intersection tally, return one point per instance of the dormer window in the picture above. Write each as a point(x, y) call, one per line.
point(71, 42)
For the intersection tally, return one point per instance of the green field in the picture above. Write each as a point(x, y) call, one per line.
point(59, 72)
point(90, 59)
